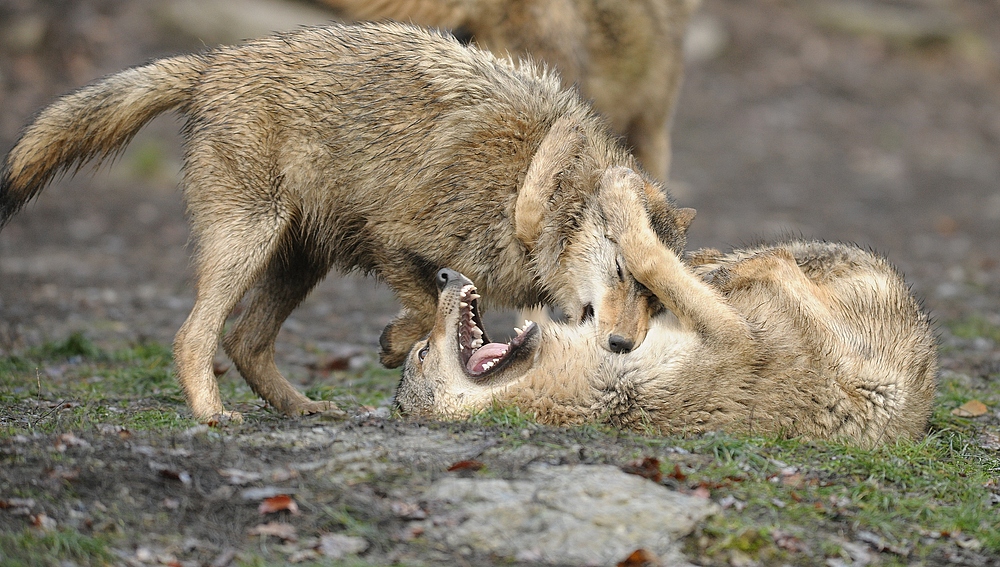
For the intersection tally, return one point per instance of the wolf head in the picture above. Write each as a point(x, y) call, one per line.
point(561, 217)
point(456, 369)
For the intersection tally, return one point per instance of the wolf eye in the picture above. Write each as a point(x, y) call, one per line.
point(422, 353)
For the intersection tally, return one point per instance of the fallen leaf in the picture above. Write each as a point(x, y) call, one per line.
point(67, 440)
point(971, 408)
point(787, 541)
point(166, 471)
point(277, 504)
point(329, 364)
point(43, 522)
point(648, 467)
point(640, 558)
point(280, 530)
point(701, 492)
point(469, 465)
point(677, 474)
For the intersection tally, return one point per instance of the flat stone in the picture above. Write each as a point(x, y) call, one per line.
point(581, 515)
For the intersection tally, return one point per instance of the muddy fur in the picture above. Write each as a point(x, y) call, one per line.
point(625, 56)
point(813, 339)
point(383, 148)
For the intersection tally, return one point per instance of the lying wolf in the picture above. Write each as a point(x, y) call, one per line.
point(809, 339)
point(382, 148)
point(626, 56)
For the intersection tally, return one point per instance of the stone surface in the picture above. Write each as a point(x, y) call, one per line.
point(583, 515)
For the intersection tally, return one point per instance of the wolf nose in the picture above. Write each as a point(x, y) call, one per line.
point(444, 276)
point(620, 344)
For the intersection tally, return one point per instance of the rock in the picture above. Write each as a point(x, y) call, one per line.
point(581, 515)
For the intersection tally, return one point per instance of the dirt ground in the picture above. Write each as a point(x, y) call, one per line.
point(877, 123)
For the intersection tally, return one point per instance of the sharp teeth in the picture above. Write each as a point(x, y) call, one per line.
point(474, 295)
point(517, 331)
point(463, 304)
point(476, 332)
point(477, 343)
point(527, 323)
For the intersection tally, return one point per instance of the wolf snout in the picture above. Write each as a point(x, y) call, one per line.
point(620, 344)
point(445, 275)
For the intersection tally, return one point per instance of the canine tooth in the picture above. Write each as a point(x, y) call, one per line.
point(474, 295)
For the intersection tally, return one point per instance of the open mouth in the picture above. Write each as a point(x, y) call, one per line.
point(480, 356)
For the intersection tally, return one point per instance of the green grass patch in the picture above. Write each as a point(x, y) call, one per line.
point(973, 327)
point(503, 415)
point(74, 385)
point(32, 548)
point(906, 499)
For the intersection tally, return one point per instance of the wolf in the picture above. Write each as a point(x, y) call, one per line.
point(382, 148)
point(797, 338)
point(627, 57)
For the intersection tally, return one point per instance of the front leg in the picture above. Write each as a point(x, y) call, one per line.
point(696, 304)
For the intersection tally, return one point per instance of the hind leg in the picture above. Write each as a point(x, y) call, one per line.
point(288, 278)
point(231, 254)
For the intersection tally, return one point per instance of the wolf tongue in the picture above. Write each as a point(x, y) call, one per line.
point(484, 354)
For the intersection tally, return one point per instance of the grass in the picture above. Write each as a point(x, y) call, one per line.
point(35, 548)
point(911, 499)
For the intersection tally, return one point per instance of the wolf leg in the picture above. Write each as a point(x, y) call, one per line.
point(288, 278)
point(233, 248)
point(697, 305)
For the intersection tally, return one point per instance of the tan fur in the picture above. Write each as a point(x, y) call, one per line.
point(382, 148)
point(626, 56)
point(812, 339)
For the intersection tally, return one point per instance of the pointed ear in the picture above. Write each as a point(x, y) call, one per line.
point(557, 150)
point(683, 218)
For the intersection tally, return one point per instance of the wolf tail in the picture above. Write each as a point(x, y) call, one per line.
point(433, 13)
point(96, 121)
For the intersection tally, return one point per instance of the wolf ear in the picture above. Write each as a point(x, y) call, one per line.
point(558, 148)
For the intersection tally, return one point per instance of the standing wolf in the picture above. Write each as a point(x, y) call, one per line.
point(624, 55)
point(808, 339)
point(377, 147)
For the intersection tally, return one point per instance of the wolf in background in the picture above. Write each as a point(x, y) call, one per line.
point(626, 56)
point(811, 339)
point(383, 148)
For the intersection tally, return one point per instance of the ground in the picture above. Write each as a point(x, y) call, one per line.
point(868, 121)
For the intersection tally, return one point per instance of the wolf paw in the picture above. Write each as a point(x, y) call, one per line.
point(223, 418)
point(328, 409)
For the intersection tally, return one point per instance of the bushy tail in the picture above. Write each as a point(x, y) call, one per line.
point(448, 14)
point(96, 121)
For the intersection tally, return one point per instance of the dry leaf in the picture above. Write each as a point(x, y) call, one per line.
point(277, 504)
point(971, 408)
point(640, 558)
point(277, 529)
point(677, 474)
point(471, 466)
point(648, 467)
